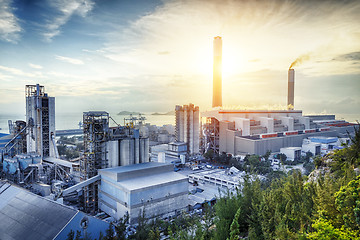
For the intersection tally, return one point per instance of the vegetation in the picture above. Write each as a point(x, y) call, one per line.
point(70, 148)
point(289, 207)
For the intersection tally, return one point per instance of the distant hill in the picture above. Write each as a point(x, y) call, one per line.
point(128, 113)
point(168, 113)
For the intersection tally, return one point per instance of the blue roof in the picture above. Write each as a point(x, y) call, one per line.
point(24, 215)
point(3, 135)
point(323, 140)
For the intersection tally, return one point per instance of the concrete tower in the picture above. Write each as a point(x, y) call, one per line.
point(187, 127)
point(217, 73)
point(40, 116)
point(291, 82)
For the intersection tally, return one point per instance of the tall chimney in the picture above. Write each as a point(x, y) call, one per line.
point(291, 82)
point(217, 73)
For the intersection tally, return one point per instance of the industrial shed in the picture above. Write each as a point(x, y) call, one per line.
point(24, 215)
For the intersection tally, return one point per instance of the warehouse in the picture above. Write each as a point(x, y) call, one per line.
point(153, 188)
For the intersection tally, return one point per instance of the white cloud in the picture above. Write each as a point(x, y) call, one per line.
point(19, 72)
point(9, 26)
point(35, 66)
point(66, 8)
point(274, 32)
point(69, 60)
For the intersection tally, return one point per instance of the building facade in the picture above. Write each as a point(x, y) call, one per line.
point(258, 131)
point(150, 188)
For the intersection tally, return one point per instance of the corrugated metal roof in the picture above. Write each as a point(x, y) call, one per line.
point(24, 215)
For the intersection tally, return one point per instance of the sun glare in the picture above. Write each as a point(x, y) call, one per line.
point(232, 61)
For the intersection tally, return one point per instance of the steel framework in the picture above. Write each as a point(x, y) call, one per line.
point(96, 128)
point(211, 134)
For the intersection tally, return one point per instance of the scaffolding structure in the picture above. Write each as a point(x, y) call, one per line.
point(17, 145)
point(20, 145)
point(211, 134)
point(96, 128)
point(133, 121)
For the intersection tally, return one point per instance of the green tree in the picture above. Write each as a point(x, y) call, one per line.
point(209, 154)
point(234, 227)
point(70, 235)
point(324, 200)
point(347, 201)
point(267, 155)
point(325, 230)
point(154, 235)
point(120, 228)
point(225, 213)
point(78, 235)
point(109, 233)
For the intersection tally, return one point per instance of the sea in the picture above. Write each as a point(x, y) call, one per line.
point(72, 120)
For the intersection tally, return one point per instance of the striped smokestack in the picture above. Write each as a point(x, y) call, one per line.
point(217, 73)
point(291, 82)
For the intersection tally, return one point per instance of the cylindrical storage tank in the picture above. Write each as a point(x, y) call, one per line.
point(182, 158)
point(191, 128)
point(161, 157)
point(146, 152)
point(136, 150)
point(131, 151)
point(112, 148)
point(196, 130)
point(124, 152)
point(142, 150)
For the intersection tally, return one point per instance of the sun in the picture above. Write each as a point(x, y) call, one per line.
point(233, 61)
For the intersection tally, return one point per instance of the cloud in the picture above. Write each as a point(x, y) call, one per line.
point(163, 52)
point(19, 72)
point(66, 9)
point(35, 66)
point(69, 60)
point(271, 31)
point(9, 25)
point(353, 56)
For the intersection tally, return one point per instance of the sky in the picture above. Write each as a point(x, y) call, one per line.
point(150, 55)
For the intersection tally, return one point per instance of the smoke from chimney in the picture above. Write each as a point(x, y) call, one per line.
point(299, 60)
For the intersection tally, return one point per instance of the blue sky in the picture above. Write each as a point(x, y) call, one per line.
point(150, 55)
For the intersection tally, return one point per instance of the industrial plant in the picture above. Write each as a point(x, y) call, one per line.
point(128, 169)
point(257, 131)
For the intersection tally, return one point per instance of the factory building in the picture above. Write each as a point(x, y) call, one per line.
point(24, 215)
point(255, 132)
point(313, 148)
point(292, 153)
point(152, 188)
point(40, 117)
point(106, 147)
point(187, 127)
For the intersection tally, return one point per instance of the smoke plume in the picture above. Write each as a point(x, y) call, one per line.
point(300, 60)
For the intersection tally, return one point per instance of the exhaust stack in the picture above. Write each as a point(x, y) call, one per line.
point(217, 73)
point(291, 82)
